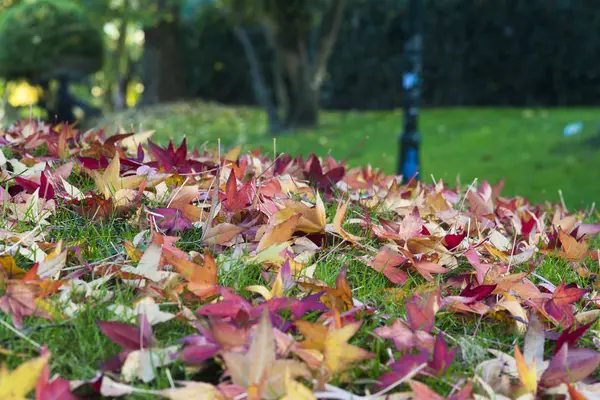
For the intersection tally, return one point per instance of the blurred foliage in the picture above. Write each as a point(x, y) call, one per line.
point(44, 38)
point(484, 52)
point(21, 94)
point(488, 143)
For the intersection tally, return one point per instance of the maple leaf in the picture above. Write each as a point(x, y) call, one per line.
point(57, 389)
point(112, 186)
point(386, 261)
point(202, 280)
point(421, 391)
point(339, 297)
point(560, 307)
point(9, 269)
point(324, 181)
point(480, 268)
point(572, 249)
point(527, 373)
point(171, 219)
point(442, 356)
point(279, 232)
point(259, 370)
point(312, 220)
point(237, 200)
point(332, 343)
point(402, 368)
point(19, 301)
point(149, 264)
point(15, 385)
point(171, 159)
point(192, 390)
point(277, 286)
point(338, 220)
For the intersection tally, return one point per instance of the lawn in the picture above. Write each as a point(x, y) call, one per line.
point(193, 276)
point(526, 146)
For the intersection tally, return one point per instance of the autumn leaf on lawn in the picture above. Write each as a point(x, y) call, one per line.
point(276, 289)
point(55, 389)
point(149, 264)
point(110, 183)
point(386, 261)
point(572, 250)
point(259, 371)
point(19, 301)
point(312, 220)
point(53, 264)
point(333, 344)
point(278, 233)
point(421, 391)
point(142, 363)
point(16, 384)
point(222, 234)
point(296, 391)
point(527, 373)
point(202, 280)
point(339, 297)
point(9, 269)
point(560, 306)
point(338, 220)
point(511, 305)
point(192, 390)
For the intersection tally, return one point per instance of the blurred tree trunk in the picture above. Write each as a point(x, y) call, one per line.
point(163, 62)
point(259, 85)
point(291, 22)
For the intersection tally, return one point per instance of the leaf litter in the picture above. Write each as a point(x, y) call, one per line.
point(447, 262)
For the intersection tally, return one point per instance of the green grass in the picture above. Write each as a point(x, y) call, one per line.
point(467, 141)
point(524, 145)
point(87, 347)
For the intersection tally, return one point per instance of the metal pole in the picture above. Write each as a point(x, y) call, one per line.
point(410, 141)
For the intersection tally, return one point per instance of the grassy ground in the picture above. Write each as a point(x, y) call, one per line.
point(79, 347)
point(524, 145)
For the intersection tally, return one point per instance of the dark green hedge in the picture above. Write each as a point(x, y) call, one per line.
point(40, 38)
point(476, 52)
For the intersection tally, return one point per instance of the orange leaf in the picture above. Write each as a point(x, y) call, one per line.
point(279, 233)
point(338, 220)
point(527, 375)
point(572, 249)
point(202, 280)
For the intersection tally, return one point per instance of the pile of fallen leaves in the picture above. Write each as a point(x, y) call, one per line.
point(466, 251)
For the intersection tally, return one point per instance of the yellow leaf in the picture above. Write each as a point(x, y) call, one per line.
point(131, 143)
point(192, 391)
point(233, 154)
point(527, 375)
point(7, 263)
point(513, 307)
point(338, 354)
point(258, 370)
point(110, 182)
point(15, 385)
point(312, 220)
point(279, 233)
point(296, 391)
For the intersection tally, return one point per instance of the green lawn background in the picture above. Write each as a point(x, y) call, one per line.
point(526, 146)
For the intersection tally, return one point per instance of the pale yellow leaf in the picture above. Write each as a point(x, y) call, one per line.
point(16, 384)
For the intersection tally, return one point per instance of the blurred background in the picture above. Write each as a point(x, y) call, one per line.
point(508, 88)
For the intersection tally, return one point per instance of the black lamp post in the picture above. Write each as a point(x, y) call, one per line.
point(410, 140)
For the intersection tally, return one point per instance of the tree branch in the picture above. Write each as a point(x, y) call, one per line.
point(327, 43)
